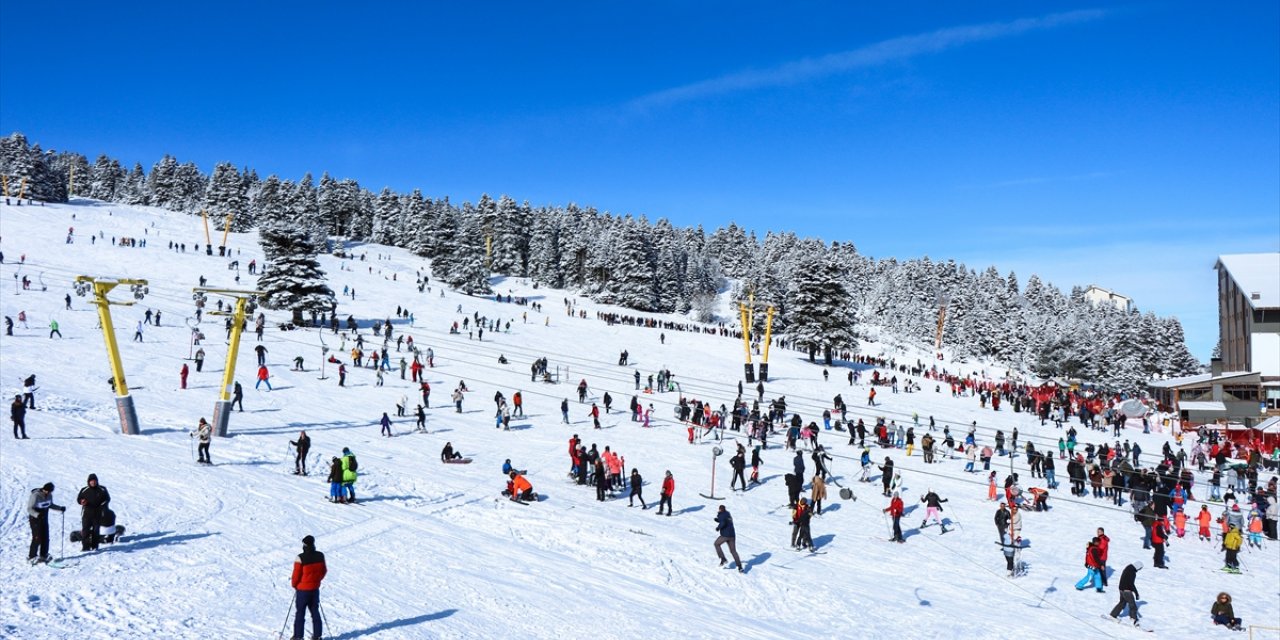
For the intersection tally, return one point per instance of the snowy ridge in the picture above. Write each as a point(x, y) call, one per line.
point(432, 551)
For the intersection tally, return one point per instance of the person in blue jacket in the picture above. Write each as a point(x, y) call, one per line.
point(724, 526)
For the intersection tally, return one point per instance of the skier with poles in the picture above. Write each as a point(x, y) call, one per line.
point(308, 572)
point(303, 445)
point(38, 506)
point(895, 511)
point(933, 507)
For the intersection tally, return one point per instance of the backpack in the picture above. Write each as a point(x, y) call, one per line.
point(352, 466)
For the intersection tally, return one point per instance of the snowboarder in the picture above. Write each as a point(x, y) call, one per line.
point(38, 505)
point(308, 572)
point(263, 376)
point(302, 445)
point(447, 453)
point(724, 526)
point(204, 432)
point(1128, 593)
point(93, 499)
point(886, 474)
point(521, 490)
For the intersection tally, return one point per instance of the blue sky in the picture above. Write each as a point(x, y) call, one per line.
point(1123, 145)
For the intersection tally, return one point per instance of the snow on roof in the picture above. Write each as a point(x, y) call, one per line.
point(1204, 405)
point(1255, 273)
point(1198, 379)
point(1269, 425)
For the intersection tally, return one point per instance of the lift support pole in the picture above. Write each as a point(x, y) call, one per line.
point(124, 402)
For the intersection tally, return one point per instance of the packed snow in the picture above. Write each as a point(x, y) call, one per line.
point(433, 550)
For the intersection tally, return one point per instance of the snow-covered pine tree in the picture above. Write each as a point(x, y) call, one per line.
point(226, 195)
point(105, 179)
point(631, 280)
point(819, 314)
point(291, 278)
point(386, 218)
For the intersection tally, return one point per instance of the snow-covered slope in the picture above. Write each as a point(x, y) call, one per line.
point(431, 551)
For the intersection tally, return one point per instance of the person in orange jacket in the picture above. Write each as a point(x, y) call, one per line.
point(1204, 519)
point(1180, 522)
point(520, 487)
point(308, 572)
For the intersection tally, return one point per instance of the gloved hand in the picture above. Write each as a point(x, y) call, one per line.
point(59, 508)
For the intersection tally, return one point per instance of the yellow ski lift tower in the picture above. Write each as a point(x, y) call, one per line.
point(747, 312)
point(208, 241)
point(226, 228)
point(222, 408)
point(100, 288)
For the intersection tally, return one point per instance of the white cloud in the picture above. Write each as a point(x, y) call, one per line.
point(872, 55)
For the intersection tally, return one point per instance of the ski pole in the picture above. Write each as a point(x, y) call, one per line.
point(286, 621)
point(62, 543)
point(325, 618)
point(192, 448)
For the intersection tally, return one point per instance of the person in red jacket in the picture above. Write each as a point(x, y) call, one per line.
point(668, 488)
point(1159, 534)
point(183, 374)
point(895, 510)
point(308, 573)
point(1104, 544)
point(1092, 560)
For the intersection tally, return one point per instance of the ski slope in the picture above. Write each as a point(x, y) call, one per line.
point(431, 551)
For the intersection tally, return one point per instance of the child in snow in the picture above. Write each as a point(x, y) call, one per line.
point(1204, 520)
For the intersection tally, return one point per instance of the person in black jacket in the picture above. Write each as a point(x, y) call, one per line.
point(303, 445)
point(38, 505)
point(739, 464)
point(886, 476)
point(794, 485)
point(637, 484)
point(1128, 593)
point(92, 499)
point(18, 413)
point(1002, 519)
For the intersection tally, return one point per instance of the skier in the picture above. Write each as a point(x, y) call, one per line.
point(755, 465)
point(1231, 543)
point(349, 475)
point(237, 396)
point(386, 425)
point(93, 499)
point(608, 402)
point(29, 391)
point(594, 413)
point(53, 328)
point(800, 518)
point(38, 505)
point(1159, 534)
point(1002, 519)
point(564, 411)
point(18, 413)
point(263, 376)
point(262, 354)
point(457, 399)
point(302, 445)
point(1010, 548)
point(933, 507)
point(724, 526)
point(422, 420)
point(636, 489)
point(668, 489)
point(1128, 593)
point(204, 431)
point(182, 375)
point(895, 511)
point(308, 572)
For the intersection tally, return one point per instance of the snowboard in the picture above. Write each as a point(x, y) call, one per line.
point(459, 461)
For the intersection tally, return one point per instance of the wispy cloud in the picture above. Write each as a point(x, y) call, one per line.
point(871, 55)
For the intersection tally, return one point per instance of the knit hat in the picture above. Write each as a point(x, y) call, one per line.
point(309, 541)
point(48, 486)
